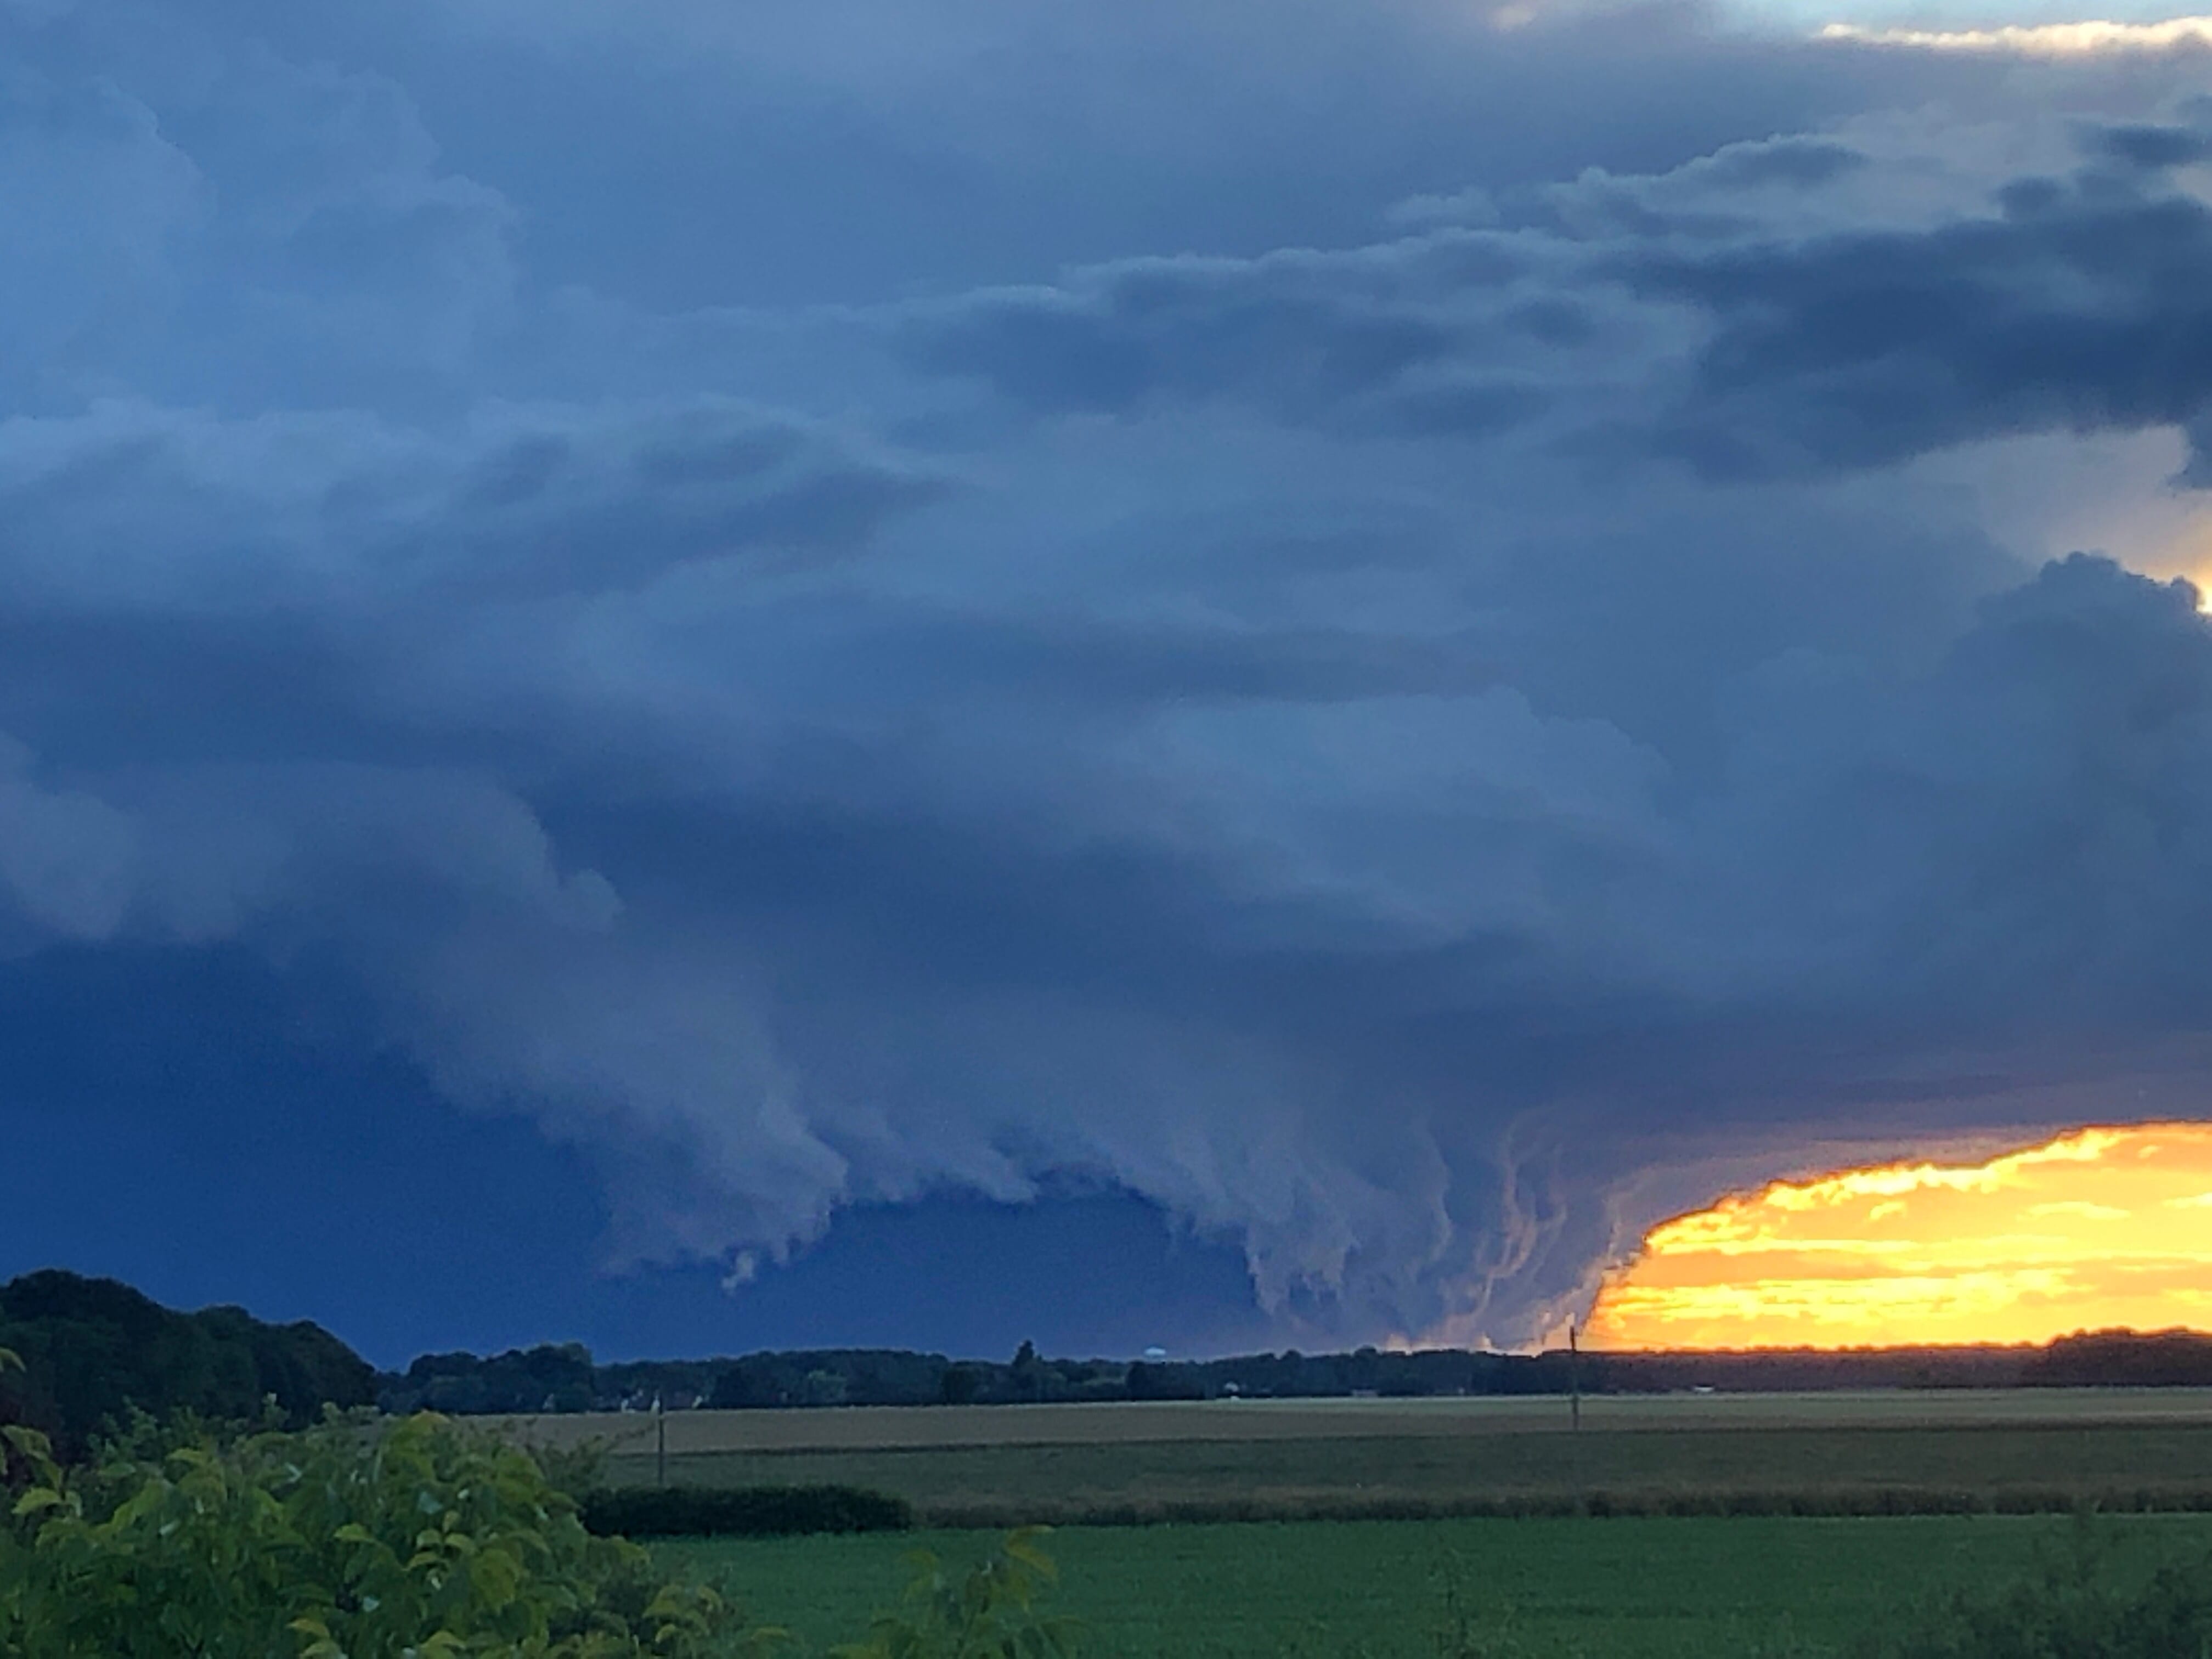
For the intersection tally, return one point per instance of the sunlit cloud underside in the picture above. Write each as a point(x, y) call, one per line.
point(2101, 1227)
point(2070, 39)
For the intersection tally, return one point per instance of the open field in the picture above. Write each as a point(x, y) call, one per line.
point(888, 1427)
point(1836, 1453)
point(1622, 1590)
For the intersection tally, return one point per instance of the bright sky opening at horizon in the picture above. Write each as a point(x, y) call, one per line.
point(2099, 1229)
point(1226, 674)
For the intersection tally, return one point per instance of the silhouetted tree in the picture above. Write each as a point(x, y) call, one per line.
point(92, 1349)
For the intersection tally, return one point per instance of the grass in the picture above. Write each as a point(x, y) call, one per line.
point(1452, 1589)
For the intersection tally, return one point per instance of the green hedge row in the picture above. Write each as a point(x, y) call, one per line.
point(1872, 1502)
point(743, 1512)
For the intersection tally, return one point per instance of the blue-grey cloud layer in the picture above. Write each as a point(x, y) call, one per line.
point(1356, 651)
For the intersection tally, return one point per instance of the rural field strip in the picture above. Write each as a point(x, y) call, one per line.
point(886, 1428)
point(1403, 1589)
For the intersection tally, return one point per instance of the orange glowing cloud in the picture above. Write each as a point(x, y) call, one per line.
point(2101, 1227)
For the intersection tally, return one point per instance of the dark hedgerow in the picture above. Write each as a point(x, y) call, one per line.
point(743, 1512)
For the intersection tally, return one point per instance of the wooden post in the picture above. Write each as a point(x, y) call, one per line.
point(1574, 1378)
point(661, 1443)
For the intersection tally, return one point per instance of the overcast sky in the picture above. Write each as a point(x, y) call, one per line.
point(1228, 672)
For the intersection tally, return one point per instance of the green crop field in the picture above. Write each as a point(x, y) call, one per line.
point(1820, 1454)
point(1609, 1590)
point(1450, 1579)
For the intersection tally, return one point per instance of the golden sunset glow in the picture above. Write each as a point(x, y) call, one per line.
point(2101, 1227)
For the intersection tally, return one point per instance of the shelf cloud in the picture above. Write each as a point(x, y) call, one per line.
point(1418, 691)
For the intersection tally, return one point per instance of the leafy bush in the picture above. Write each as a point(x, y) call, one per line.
point(2075, 1607)
point(743, 1512)
point(988, 1613)
point(357, 1539)
point(15, 1471)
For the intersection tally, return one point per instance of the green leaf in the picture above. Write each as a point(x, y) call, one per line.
point(1023, 1547)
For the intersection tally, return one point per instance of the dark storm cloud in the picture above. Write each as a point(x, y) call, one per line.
point(973, 142)
point(2072, 302)
point(98, 509)
point(1299, 332)
point(2152, 148)
point(2079, 305)
point(1450, 334)
point(1273, 730)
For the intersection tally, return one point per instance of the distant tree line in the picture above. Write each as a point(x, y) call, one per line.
point(565, 1379)
point(562, 1379)
point(92, 1349)
point(2158, 1359)
point(549, 1378)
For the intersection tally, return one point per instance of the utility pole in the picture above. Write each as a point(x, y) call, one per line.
point(1574, 1379)
point(660, 1443)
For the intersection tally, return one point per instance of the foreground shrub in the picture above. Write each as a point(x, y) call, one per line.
point(988, 1613)
point(416, 1540)
point(2075, 1607)
point(743, 1512)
